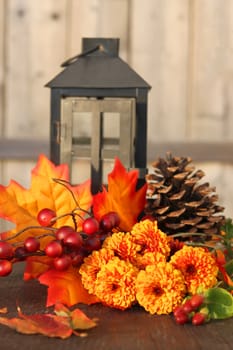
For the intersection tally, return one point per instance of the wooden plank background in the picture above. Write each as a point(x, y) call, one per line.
point(182, 48)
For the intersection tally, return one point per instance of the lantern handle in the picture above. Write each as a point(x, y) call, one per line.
point(83, 54)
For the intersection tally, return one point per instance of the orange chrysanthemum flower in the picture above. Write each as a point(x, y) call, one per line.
point(150, 238)
point(159, 289)
point(122, 245)
point(115, 284)
point(92, 265)
point(198, 267)
point(149, 258)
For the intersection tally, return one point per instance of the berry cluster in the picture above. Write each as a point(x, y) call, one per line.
point(191, 311)
point(67, 246)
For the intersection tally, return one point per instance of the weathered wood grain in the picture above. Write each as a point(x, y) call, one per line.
point(182, 48)
point(159, 52)
point(34, 48)
point(2, 66)
point(211, 112)
point(104, 18)
point(2, 63)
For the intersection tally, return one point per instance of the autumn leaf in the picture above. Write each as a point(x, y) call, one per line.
point(66, 287)
point(51, 325)
point(36, 265)
point(220, 257)
point(3, 310)
point(21, 206)
point(49, 189)
point(121, 196)
point(78, 318)
point(221, 263)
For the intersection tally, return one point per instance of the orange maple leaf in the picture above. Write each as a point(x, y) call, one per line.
point(49, 188)
point(65, 287)
point(121, 196)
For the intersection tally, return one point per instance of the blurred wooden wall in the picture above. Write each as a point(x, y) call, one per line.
point(182, 48)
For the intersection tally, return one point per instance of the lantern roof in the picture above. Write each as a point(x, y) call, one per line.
point(98, 66)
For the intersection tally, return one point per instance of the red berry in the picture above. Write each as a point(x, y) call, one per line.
point(196, 301)
point(106, 223)
point(6, 250)
point(92, 243)
point(182, 318)
point(5, 268)
point(109, 221)
point(31, 244)
point(103, 235)
point(20, 253)
point(45, 217)
point(77, 258)
point(90, 226)
point(187, 306)
point(115, 218)
point(178, 310)
point(63, 232)
point(62, 263)
point(73, 240)
point(198, 319)
point(54, 249)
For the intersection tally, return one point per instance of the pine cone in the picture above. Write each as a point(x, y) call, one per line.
point(178, 201)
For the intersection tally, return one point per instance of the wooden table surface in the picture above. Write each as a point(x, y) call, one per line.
point(132, 329)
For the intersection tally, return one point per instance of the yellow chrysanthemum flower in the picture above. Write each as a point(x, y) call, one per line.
point(115, 284)
point(198, 267)
point(92, 265)
point(159, 289)
point(150, 238)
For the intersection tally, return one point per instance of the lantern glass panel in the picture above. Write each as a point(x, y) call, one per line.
point(80, 170)
point(81, 125)
point(111, 125)
point(96, 131)
point(107, 165)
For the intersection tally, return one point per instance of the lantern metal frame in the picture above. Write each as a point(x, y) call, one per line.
point(99, 81)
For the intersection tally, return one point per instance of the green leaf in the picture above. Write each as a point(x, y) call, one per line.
point(228, 228)
point(219, 303)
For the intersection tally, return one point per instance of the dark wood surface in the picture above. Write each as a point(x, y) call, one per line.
point(133, 329)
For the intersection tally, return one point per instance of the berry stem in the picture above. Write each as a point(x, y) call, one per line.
point(26, 229)
point(66, 184)
point(38, 253)
point(72, 214)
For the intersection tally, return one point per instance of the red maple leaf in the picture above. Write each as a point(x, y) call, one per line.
point(121, 196)
point(221, 262)
point(65, 287)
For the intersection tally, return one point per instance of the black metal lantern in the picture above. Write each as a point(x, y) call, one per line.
point(98, 112)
